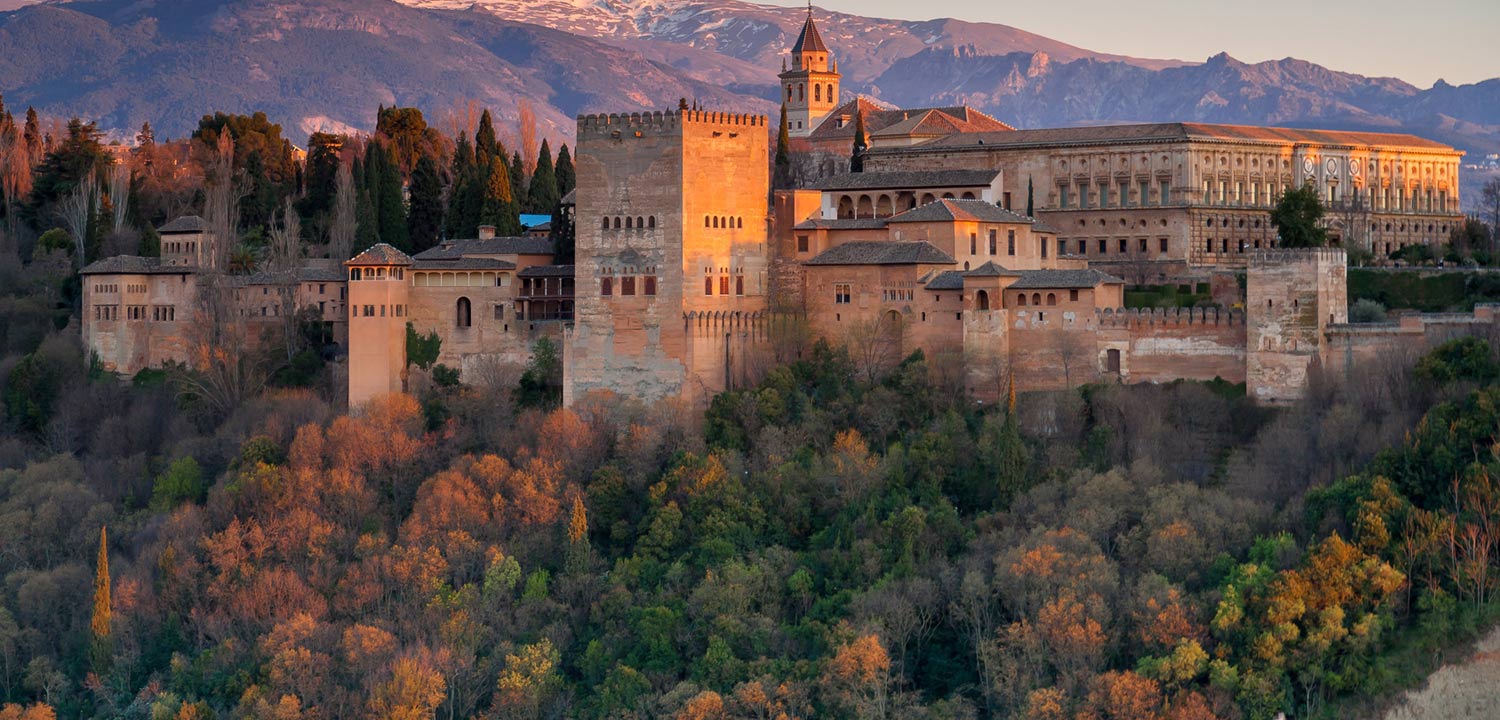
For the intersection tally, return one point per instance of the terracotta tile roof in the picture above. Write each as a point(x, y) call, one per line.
point(184, 224)
point(960, 210)
point(380, 254)
point(547, 271)
point(810, 40)
point(880, 252)
point(462, 263)
point(990, 269)
point(888, 121)
point(525, 245)
point(910, 179)
point(946, 280)
point(1173, 132)
point(1041, 227)
point(1063, 279)
point(841, 224)
point(134, 265)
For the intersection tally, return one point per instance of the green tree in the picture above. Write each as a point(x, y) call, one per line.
point(782, 176)
point(80, 153)
point(857, 158)
point(182, 482)
point(486, 146)
point(541, 384)
point(543, 196)
point(407, 134)
point(1030, 199)
point(322, 174)
point(499, 206)
point(422, 350)
point(519, 195)
point(1296, 218)
point(567, 178)
point(425, 220)
point(383, 182)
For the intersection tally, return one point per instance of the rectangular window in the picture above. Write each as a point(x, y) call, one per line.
point(801, 243)
point(321, 287)
point(1143, 244)
point(994, 241)
point(1043, 244)
point(841, 294)
point(1010, 242)
point(369, 311)
point(1083, 247)
point(627, 285)
point(650, 285)
point(1103, 195)
point(1072, 296)
point(606, 286)
point(1103, 247)
point(1062, 199)
point(973, 243)
point(1123, 247)
point(1166, 193)
point(1005, 202)
point(1125, 194)
point(1163, 243)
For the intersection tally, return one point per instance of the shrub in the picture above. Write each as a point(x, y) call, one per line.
point(1366, 311)
point(182, 482)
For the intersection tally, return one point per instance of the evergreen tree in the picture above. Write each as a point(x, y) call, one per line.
point(518, 181)
point(461, 172)
point(567, 179)
point(33, 134)
point(389, 205)
point(486, 147)
point(499, 208)
point(366, 226)
point(425, 219)
point(146, 138)
point(322, 175)
point(259, 204)
point(543, 196)
point(1030, 198)
point(563, 235)
point(783, 173)
point(1296, 217)
point(857, 159)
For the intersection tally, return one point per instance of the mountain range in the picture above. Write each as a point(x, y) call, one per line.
point(328, 64)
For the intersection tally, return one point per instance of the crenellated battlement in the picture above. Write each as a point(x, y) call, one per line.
point(608, 123)
point(1137, 317)
point(1297, 256)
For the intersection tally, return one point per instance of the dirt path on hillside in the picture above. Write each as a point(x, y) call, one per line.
point(1458, 692)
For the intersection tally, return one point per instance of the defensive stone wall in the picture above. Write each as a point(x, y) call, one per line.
point(1291, 297)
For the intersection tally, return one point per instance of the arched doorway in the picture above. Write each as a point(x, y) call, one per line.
point(982, 300)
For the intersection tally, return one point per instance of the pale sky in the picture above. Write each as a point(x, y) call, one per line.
point(1418, 41)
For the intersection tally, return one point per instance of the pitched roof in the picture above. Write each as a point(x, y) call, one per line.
point(1176, 132)
point(524, 245)
point(946, 280)
point(990, 269)
point(571, 198)
point(380, 254)
point(1064, 279)
point(960, 210)
point(841, 224)
point(462, 263)
point(547, 271)
point(889, 121)
point(809, 40)
point(910, 179)
point(134, 265)
point(184, 224)
point(880, 252)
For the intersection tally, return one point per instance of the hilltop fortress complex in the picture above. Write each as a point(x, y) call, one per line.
point(1005, 251)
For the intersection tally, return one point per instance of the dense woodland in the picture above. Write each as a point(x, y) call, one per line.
point(832, 542)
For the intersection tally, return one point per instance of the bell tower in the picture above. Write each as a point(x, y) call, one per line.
point(810, 87)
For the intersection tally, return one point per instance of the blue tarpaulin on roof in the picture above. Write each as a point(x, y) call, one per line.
point(529, 220)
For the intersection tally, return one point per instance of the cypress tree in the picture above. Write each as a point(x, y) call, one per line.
point(146, 138)
point(33, 135)
point(783, 174)
point(499, 207)
point(458, 195)
point(543, 194)
point(518, 182)
point(857, 160)
point(390, 205)
point(1030, 207)
point(425, 220)
point(567, 179)
point(366, 233)
point(486, 147)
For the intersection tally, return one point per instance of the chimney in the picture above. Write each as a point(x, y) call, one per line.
point(486, 232)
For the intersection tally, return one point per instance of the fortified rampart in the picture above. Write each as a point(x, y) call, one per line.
point(1291, 297)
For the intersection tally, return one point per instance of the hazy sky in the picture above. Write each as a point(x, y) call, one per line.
point(1418, 41)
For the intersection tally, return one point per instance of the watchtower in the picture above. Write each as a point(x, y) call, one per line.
point(378, 311)
point(1291, 298)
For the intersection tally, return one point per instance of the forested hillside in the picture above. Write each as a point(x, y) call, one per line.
point(815, 546)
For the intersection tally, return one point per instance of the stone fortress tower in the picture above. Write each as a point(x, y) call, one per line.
point(1291, 299)
point(672, 257)
point(378, 312)
point(810, 88)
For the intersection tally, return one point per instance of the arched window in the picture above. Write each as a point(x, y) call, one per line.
point(705, 221)
point(464, 317)
point(1051, 298)
point(639, 222)
point(651, 221)
point(800, 94)
point(739, 223)
point(716, 221)
point(982, 300)
point(604, 224)
point(789, 92)
point(1021, 300)
point(353, 273)
point(817, 92)
point(617, 222)
point(968, 196)
point(629, 223)
point(1036, 298)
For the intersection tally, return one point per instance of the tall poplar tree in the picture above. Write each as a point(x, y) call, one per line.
point(100, 623)
point(499, 208)
point(543, 195)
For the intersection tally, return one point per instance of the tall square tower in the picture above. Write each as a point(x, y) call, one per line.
point(672, 252)
point(810, 87)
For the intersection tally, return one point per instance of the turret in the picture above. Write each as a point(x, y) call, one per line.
point(378, 312)
point(810, 88)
